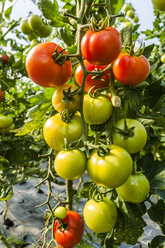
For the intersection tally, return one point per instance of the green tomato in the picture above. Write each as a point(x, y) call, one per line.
point(127, 7)
point(100, 216)
point(5, 121)
point(97, 110)
point(70, 164)
point(7, 129)
point(45, 31)
point(35, 22)
point(135, 189)
point(25, 28)
point(163, 58)
point(34, 43)
point(159, 4)
point(55, 131)
point(32, 36)
point(133, 143)
point(112, 170)
point(135, 19)
point(131, 14)
point(60, 212)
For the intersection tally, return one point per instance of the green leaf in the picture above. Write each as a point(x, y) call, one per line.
point(8, 12)
point(48, 9)
point(130, 224)
point(157, 213)
point(6, 191)
point(126, 35)
point(86, 188)
point(146, 163)
point(148, 50)
point(116, 6)
point(157, 180)
point(157, 242)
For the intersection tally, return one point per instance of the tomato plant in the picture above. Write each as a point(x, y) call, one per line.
point(72, 235)
point(55, 131)
point(43, 69)
point(130, 134)
point(100, 216)
point(25, 28)
point(70, 164)
point(135, 189)
point(111, 170)
point(5, 121)
point(131, 70)
point(44, 31)
point(35, 22)
point(97, 82)
point(62, 101)
point(102, 47)
point(159, 4)
point(97, 110)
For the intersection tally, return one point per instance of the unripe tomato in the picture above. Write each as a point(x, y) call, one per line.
point(127, 7)
point(131, 14)
point(55, 130)
point(159, 4)
point(5, 59)
point(57, 99)
point(43, 69)
point(70, 164)
point(100, 216)
point(25, 28)
point(112, 170)
point(135, 189)
point(126, 24)
point(131, 70)
point(99, 82)
point(97, 110)
point(5, 121)
point(1, 95)
point(102, 47)
point(163, 58)
point(136, 19)
point(35, 22)
point(60, 212)
point(7, 129)
point(72, 235)
point(136, 141)
point(32, 36)
point(45, 31)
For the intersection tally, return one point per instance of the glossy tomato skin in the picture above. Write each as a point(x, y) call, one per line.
point(97, 110)
point(71, 164)
point(55, 131)
point(131, 70)
point(135, 189)
point(42, 68)
point(134, 143)
point(57, 99)
point(159, 4)
point(1, 95)
point(101, 82)
point(73, 234)
point(5, 121)
point(100, 216)
point(102, 47)
point(112, 170)
point(60, 212)
point(163, 58)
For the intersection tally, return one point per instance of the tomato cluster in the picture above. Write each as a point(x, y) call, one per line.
point(109, 166)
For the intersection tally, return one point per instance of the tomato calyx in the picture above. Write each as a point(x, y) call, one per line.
point(135, 52)
point(59, 57)
point(69, 96)
point(126, 132)
point(103, 151)
point(62, 225)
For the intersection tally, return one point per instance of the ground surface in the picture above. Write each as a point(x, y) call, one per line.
point(28, 220)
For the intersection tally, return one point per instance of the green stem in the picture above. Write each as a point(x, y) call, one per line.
point(2, 10)
point(69, 193)
point(5, 212)
point(4, 240)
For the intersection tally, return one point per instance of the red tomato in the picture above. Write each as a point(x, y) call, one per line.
point(131, 70)
point(73, 234)
point(43, 69)
point(1, 95)
point(5, 58)
point(102, 47)
point(101, 82)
